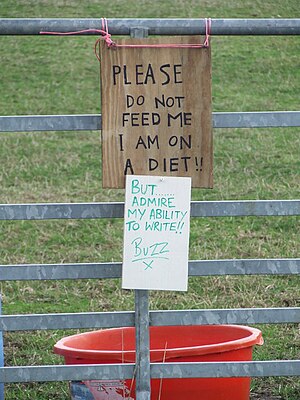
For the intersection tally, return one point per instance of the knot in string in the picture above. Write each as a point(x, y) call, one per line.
point(105, 34)
point(207, 32)
point(110, 43)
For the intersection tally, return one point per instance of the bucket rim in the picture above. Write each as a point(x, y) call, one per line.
point(254, 338)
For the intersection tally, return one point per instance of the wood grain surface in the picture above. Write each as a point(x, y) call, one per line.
point(156, 111)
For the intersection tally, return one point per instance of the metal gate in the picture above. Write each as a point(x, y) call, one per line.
point(199, 209)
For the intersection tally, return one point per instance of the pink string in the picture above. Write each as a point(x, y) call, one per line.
point(106, 36)
point(205, 44)
point(71, 33)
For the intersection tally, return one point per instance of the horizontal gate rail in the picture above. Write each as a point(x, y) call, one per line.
point(33, 322)
point(32, 123)
point(30, 322)
point(271, 266)
point(228, 208)
point(50, 373)
point(91, 122)
point(226, 369)
point(165, 26)
point(258, 119)
point(246, 316)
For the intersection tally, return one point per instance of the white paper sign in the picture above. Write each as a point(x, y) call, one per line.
point(156, 233)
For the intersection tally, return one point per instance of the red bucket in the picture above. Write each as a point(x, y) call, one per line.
point(167, 344)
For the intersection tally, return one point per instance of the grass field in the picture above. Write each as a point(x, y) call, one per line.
point(42, 75)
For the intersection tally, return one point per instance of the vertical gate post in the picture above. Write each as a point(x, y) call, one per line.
point(142, 359)
point(1, 358)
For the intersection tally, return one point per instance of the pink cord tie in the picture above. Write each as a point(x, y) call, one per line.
point(106, 36)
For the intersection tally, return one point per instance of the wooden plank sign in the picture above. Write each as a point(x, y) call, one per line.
point(156, 111)
point(156, 233)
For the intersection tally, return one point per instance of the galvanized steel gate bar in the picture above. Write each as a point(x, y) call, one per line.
point(142, 322)
point(22, 272)
point(154, 26)
point(50, 373)
point(29, 322)
point(228, 208)
point(142, 27)
point(85, 122)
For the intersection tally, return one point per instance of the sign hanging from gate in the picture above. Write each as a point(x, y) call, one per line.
point(156, 110)
point(156, 233)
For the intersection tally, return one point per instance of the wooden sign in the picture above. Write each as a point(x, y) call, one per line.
point(156, 233)
point(156, 111)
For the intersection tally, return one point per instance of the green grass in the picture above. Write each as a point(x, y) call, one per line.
point(42, 75)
